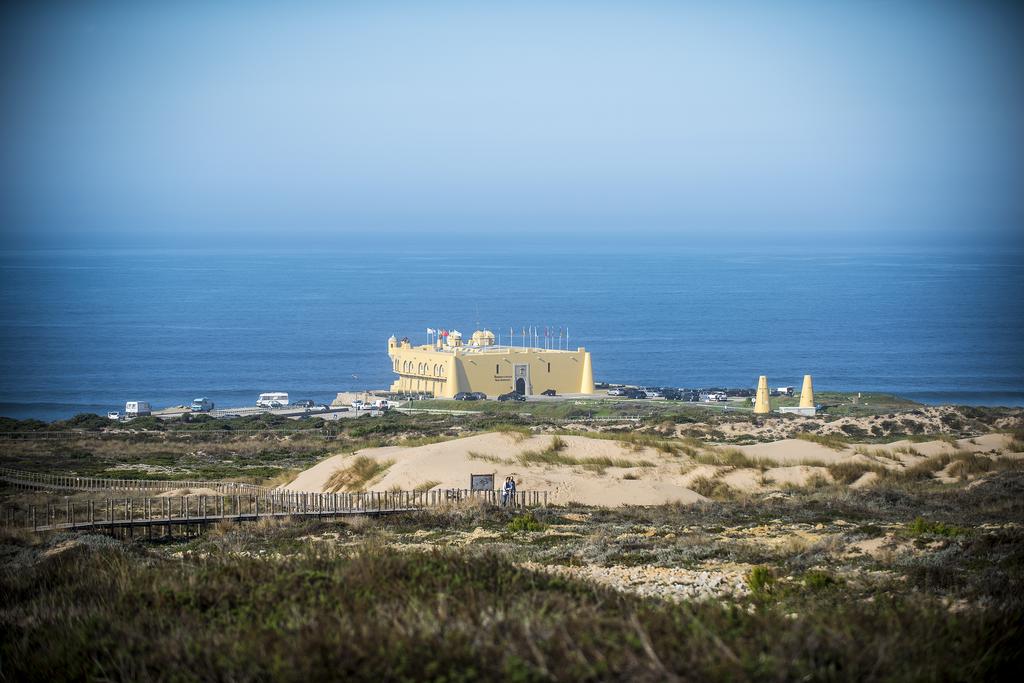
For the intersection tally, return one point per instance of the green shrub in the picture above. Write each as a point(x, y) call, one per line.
point(817, 579)
point(921, 527)
point(525, 522)
point(761, 581)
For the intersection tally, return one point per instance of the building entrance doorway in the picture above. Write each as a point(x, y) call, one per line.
point(522, 376)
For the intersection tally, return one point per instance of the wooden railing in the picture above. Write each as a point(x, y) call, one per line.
point(71, 482)
point(234, 502)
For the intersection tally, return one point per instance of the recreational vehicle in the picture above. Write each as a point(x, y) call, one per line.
point(202, 405)
point(272, 399)
point(137, 409)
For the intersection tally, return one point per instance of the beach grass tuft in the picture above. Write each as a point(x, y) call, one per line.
point(833, 441)
point(361, 472)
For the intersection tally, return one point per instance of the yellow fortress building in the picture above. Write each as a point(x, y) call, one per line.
point(450, 365)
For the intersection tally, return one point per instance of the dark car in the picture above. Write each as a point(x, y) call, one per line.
point(303, 403)
point(548, 392)
point(635, 393)
point(466, 396)
point(480, 395)
point(512, 396)
point(672, 395)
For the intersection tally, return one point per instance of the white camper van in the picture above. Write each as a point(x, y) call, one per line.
point(137, 409)
point(272, 399)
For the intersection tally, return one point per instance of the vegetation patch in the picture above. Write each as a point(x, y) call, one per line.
point(526, 522)
point(834, 441)
point(850, 471)
point(732, 457)
point(710, 487)
point(761, 581)
point(358, 475)
point(922, 527)
point(105, 611)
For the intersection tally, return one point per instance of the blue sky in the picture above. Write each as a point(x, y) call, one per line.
point(244, 122)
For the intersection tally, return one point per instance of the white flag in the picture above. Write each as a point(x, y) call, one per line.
point(430, 331)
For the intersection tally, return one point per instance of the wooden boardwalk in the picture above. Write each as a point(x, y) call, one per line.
point(234, 503)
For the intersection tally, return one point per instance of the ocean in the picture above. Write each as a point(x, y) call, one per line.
point(84, 331)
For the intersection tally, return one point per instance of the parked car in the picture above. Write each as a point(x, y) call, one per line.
point(512, 396)
point(229, 416)
point(672, 395)
point(617, 391)
point(357, 404)
point(466, 396)
point(548, 392)
point(635, 393)
point(114, 415)
point(303, 403)
point(481, 396)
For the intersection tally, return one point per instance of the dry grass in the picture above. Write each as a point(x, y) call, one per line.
point(714, 488)
point(848, 472)
point(833, 441)
point(474, 455)
point(425, 485)
point(1016, 444)
point(732, 457)
point(283, 479)
point(638, 441)
point(596, 464)
point(358, 475)
point(966, 464)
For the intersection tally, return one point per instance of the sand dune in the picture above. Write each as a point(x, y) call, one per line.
point(449, 464)
point(634, 476)
point(794, 451)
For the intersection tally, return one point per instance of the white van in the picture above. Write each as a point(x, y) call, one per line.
point(272, 399)
point(137, 409)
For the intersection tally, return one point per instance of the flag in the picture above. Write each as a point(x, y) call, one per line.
point(430, 330)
